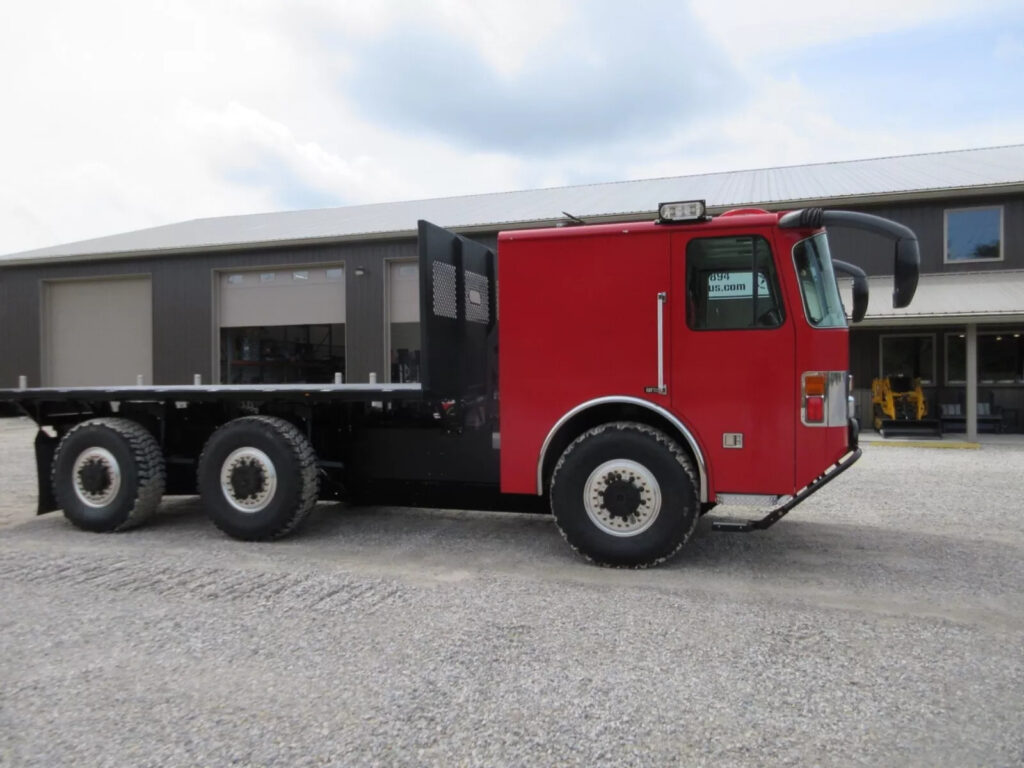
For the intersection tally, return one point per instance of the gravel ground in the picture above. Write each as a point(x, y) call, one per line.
point(881, 623)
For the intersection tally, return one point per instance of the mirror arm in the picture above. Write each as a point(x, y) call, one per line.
point(907, 261)
point(860, 287)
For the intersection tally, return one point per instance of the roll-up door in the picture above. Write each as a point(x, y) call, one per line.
point(97, 332)
point(282, 325)
point(282, 297)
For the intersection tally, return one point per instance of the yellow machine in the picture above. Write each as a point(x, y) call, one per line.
point(899, 407)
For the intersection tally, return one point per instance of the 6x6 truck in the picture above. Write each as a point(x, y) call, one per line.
point(640, 375)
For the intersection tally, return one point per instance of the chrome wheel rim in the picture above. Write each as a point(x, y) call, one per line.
point(622, 497)
point(248, 479)
point(97, 477)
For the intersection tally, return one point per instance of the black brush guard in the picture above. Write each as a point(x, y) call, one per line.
point(746, 526)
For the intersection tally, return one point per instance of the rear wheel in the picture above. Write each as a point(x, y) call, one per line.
point(258, 478)
point(625, 494)
point(108, 474)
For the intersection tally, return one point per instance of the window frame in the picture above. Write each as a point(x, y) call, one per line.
point(281, 369)
point(920, 335)
point(800, 285)
point(772, 278)
point(1002, 234)
point(949, 381)
point(981, 382)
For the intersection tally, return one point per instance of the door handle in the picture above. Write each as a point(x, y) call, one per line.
point(661, 389)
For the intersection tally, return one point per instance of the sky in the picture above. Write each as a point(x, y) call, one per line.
point(122, 115)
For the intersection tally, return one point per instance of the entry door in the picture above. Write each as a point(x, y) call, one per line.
point(732, 360)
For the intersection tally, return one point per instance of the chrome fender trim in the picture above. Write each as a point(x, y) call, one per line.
point(702, 469)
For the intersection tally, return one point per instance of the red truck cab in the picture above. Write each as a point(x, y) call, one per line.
point(726, 335)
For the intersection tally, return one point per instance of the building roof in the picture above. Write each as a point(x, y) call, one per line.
point(948, 297)
point(877, 180)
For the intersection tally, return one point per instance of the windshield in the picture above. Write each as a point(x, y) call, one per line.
point(822, 304)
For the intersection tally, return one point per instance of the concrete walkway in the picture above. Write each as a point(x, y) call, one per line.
point(948, 440)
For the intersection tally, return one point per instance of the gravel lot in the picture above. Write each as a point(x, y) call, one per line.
point(881, 623)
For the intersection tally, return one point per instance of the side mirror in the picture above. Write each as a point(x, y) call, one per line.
point(905, 269)
point(860, 287)
point(908, 258)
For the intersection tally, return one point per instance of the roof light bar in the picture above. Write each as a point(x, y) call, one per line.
point(685, 210)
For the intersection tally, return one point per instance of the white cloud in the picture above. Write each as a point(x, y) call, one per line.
point(786, 124)
point(121, 115)
point(750, 29)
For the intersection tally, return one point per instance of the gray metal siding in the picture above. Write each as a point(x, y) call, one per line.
point(183, 311)
point(874, 253)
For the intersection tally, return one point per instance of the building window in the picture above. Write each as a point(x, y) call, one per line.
point(731, 284)
point(1000, 357)
point(974, 234)
point(908, 355)
point(404, 321)
point(282, 354)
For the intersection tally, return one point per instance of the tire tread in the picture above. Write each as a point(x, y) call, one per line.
point(670, 445)
point(149, 461)
point(305, 457)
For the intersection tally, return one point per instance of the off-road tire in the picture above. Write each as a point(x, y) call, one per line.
point(131, 474)
point(659, 459)
point(280, 510)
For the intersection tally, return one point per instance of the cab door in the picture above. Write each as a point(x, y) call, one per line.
point(732, 359)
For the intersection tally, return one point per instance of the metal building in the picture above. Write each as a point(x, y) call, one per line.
point(299, 296)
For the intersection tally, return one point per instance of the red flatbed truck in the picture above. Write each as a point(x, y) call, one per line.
point(641, 374)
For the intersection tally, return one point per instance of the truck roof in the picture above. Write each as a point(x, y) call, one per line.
point(741, 217)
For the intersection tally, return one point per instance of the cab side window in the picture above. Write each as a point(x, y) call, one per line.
point(731, 284)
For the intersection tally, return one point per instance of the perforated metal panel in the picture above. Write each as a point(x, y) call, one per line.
point(478, 304)
point(446, 301)
point(456, 313)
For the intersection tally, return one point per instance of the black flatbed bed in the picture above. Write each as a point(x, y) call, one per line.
point(217, 392)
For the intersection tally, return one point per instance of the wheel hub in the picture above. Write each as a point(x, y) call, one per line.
point(248, 479)
point(622, 497)
point(96, 476)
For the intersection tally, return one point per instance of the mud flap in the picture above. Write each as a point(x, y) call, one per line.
point(46, 446)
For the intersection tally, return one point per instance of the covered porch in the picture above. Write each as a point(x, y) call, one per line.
point(962, 337)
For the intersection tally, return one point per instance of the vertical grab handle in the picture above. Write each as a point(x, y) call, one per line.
point(661, 389)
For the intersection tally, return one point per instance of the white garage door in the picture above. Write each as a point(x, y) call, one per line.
point(282, 297)
point(97, 332)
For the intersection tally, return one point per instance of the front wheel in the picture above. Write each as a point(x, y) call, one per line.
point(625, 494)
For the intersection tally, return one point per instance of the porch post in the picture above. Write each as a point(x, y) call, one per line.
point(971, 365)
